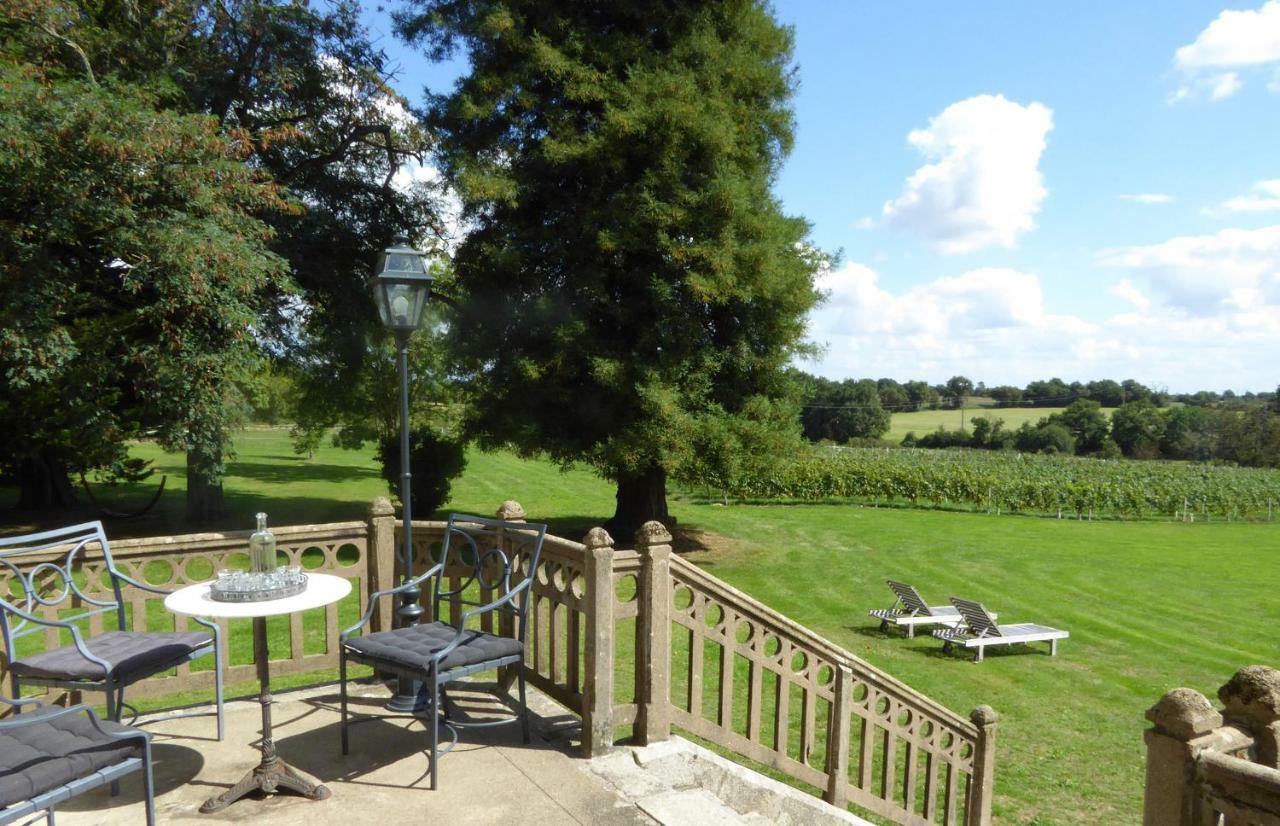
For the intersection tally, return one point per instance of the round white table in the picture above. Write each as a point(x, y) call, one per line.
point(271, 774)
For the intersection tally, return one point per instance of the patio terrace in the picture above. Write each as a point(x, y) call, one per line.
point(491, 777)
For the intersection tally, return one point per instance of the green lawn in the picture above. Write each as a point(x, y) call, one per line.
point(921, 422)
point(1150, 606)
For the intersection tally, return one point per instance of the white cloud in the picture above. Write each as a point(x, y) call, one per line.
point(1147, 198)
point(993, 325)
point(1206, 275)
point(1264, 196)
point(1125, 289)
point(1235, 39)
point(982, 186)
point(1225, 85)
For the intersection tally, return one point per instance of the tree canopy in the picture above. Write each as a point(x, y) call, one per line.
point(630, 286)
point(132, 268)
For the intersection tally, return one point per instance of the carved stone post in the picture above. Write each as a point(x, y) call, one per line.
point(653, 659)
point(1183, 724)
point(982, 786)
point(597, 700)
point(382, 558)
point(508, 511)
point(838, 740)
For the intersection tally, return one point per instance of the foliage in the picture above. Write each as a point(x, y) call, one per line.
point(1017, 482)
point(629, 284)
point(958, 389)
point(301, 92)
point(132, 270)
point(315, 110)
point(1086, 423)
point(1137, 428)
point(435, 460)
point(840, 411)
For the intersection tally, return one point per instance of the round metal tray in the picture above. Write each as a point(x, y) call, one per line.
point(289, 588)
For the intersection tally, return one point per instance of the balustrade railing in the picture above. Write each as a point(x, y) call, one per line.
point(635, 642)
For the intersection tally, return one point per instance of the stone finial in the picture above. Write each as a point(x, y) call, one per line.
point(598, 538)
point(511, 511)
point(381, 507)
point(652, 533)
point(1184, 713)
point(983, 716)
point(1252, 695)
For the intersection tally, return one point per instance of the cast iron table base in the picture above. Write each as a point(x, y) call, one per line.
point(272, 775)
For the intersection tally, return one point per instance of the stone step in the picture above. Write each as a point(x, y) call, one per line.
point(678, 783)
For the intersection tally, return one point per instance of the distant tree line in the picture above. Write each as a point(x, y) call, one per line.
point(1143, 424)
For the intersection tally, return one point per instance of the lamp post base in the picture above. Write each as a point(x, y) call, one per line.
point(412, 697)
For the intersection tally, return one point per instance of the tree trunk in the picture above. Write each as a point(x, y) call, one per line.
point(204, 487)
point(43, 482)
point(640, 499)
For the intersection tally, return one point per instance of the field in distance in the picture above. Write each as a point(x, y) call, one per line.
point(921, 422)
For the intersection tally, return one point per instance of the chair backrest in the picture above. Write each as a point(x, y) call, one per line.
point(977, 617)
point(48, 574)
point(909, 597)
point(492, 560)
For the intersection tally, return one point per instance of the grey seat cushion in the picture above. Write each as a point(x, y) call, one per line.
point(44, 754)
point(412, 647)
point(132, 654)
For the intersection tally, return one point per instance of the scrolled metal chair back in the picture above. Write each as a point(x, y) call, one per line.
point(58, 556)
point(498, 558)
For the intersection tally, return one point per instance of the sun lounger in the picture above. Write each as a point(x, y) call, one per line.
point(910, 610)
point(980, 630)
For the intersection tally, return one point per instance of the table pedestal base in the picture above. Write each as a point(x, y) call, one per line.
point(271, 776)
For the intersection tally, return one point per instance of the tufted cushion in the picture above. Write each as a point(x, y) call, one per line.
point(40, 755)
point(412, 647)
point(132, 654)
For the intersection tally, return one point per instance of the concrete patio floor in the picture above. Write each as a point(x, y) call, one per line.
point(490, 777)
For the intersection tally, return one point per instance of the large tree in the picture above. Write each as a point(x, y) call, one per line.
point(631, 285)
point(132, 268)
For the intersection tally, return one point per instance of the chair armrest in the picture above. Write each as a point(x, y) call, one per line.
point(76, 636)
point(461, 627)
point(376, 595)
point(18, 702)
point(142, 586)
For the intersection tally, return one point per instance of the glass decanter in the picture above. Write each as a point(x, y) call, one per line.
point(262, 548)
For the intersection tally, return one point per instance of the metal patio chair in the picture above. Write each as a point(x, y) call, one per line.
point(50, 571)
point(438, 653)
point(52, 754)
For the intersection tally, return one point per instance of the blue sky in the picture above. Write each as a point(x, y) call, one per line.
point(1023, 190)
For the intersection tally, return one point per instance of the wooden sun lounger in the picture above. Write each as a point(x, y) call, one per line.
point(911, 610)
point(980, 630)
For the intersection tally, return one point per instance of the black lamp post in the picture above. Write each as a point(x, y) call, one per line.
point(401, 287)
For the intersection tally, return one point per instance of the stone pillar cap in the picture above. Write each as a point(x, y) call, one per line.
point(652, 533)
point(598, 538)
point(983, 716)
point(511, 511)
point(1184, 713)
point(1252, 695)
point(381, 506)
